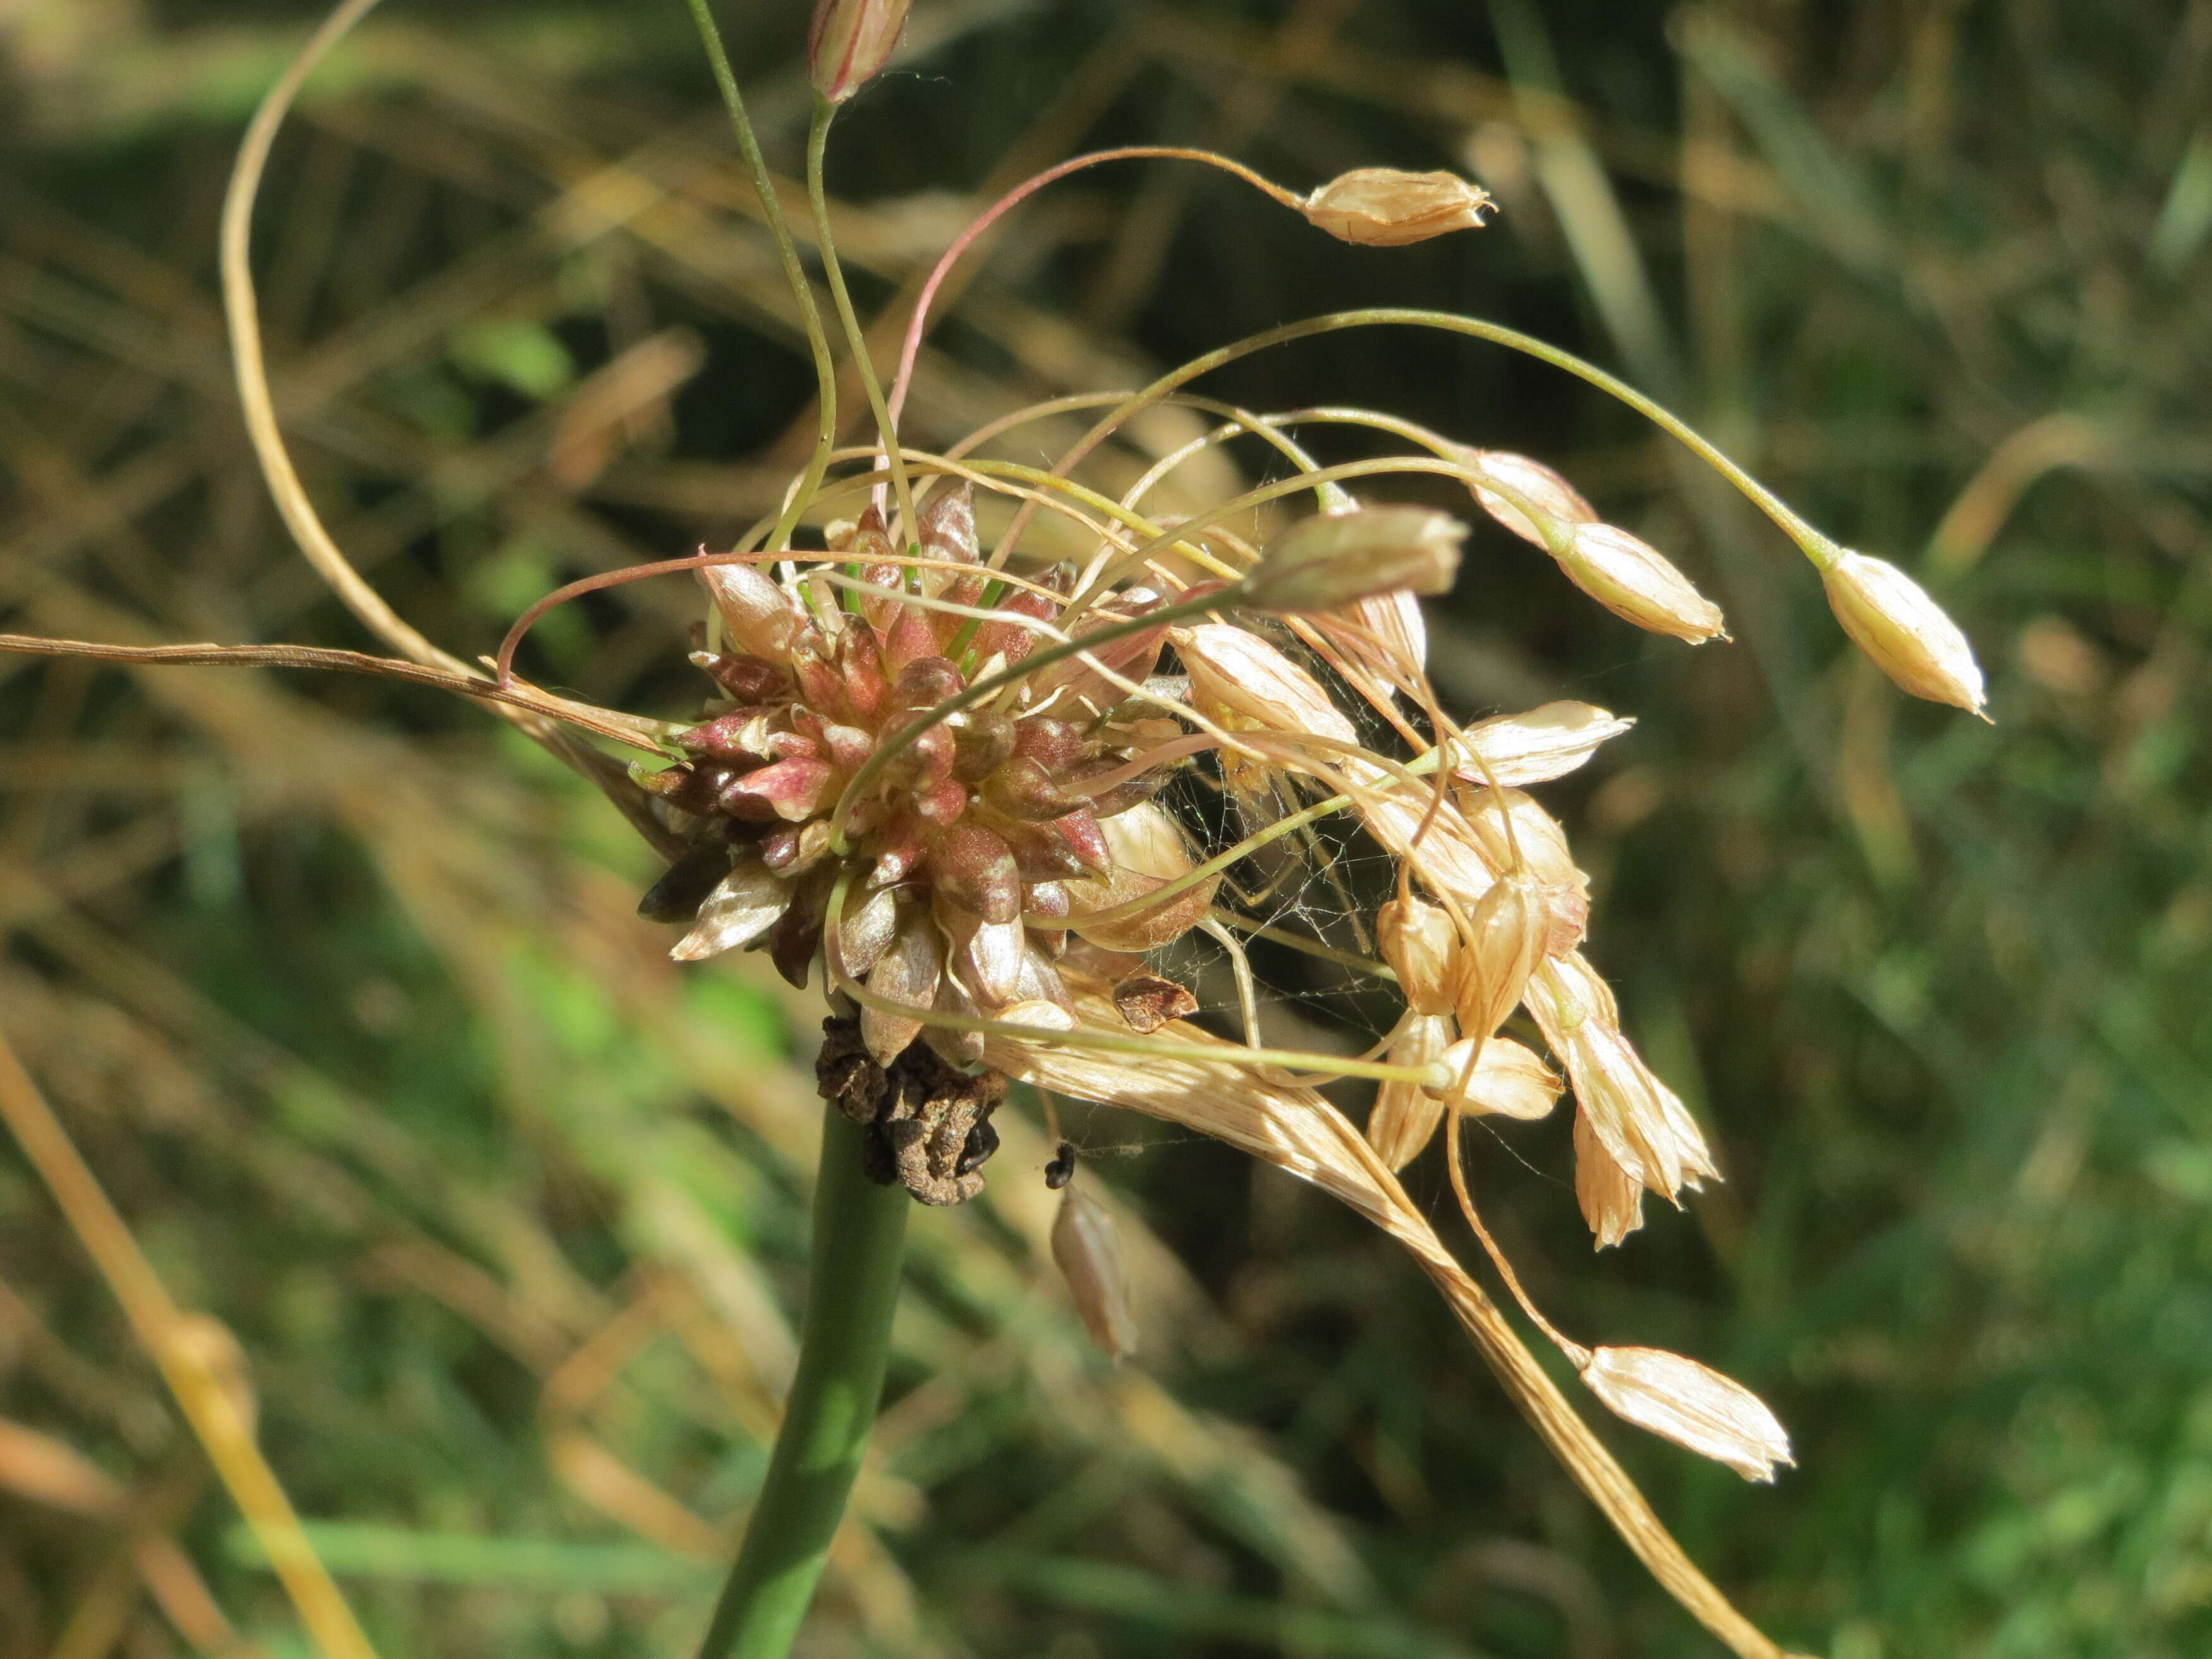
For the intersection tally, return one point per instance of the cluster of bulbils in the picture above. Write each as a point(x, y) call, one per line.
point(950, 878)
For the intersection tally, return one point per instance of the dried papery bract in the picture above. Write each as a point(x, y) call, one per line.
point(849, 40)
point(1544, 743)
point(1089, 1252)
point(1336, 559)
point(1910, 638)
point(1633, 579)
point(1691, 1404)
point(1383, 207)
point(1498, 1078)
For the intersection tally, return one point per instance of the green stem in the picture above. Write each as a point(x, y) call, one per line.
point(825, 373)
point(817, 136)
point(859, 1231)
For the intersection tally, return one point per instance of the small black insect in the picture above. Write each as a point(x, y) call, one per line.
point(1061, 1170)
point(982, 1141)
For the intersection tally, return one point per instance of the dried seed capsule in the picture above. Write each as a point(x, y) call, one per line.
point(1147, 851)
point(1512, 928)
point(1610, 1199)
point(908, 973)
point(1405, 1115)
point(1691, 1404)
point(1422, 947)
point(1383, 207)
point(1544, 743)
point(1502, 1078)
point(866, 930)
point(1089, 1252)
point(1336, 559)
point(1633, 579)
point(1891, 618)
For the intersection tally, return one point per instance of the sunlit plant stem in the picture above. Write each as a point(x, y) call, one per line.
point(860, 1236)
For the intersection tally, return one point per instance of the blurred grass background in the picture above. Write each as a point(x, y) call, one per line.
point(336, 986)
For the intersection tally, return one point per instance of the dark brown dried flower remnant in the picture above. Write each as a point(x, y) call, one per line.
point(929, 1124)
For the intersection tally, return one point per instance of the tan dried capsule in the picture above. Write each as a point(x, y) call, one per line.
point(1422, 946)
point(1612, 1200)
point(1336, 559)
point(849, 40)
point(1383, 207)
point(1512, 930)
point(1691, 1404)
point(744, 906)
point(1239, 680)
point(1633, 579)
point(1890, 618)
point(1513, 831)
point(1089, 1252)
point(1544, 743)
point(1405, 1115)
point(1500, 1078)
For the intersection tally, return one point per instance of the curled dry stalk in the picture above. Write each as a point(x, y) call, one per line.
point(958, 789)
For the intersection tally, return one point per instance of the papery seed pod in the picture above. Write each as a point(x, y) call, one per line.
point(974, 870)
point(1422, 946)
point(1691, 1404)
point(1612, 1200)
point(1569, 909)
point(1512, 831)
point(1512, 929)
point(1528, 497)
point(957, 1048)
point(848, 41)
point(1405, 1115)
point(744, 904)
point(756, 612)
point(1239, 679)
point(1383, 207)
point(1334, 559)
point(1039, 981)
point(1662, 1149)
point(1089, 1252)
point(1544, 743)
point(1041, 1013)
point(684, 887)
point(1148, 851)
point(908, 973)
point(1632, 580)
point(991, 960)
point(1500, 1078)
point(866, 930)
point(1907, 633)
